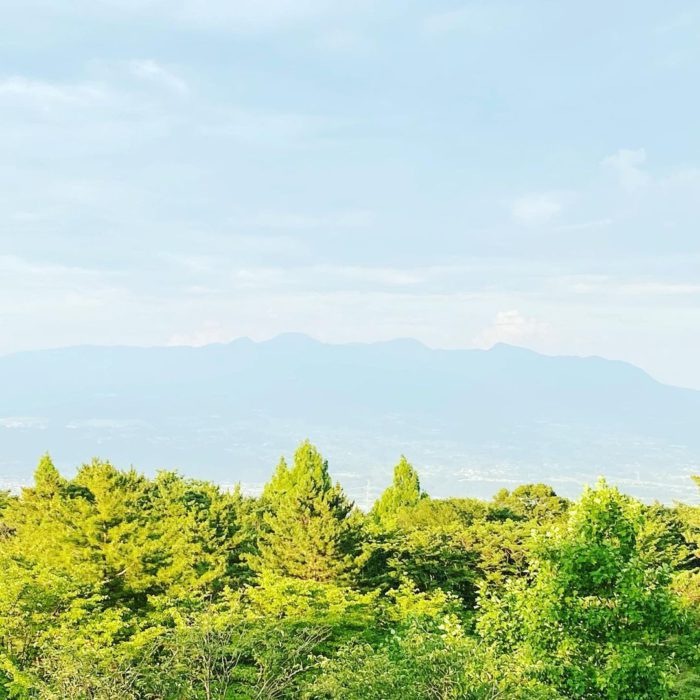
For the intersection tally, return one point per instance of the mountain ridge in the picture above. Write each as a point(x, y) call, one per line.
point(298, 337)
point(226, 411)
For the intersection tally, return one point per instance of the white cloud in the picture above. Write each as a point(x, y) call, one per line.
point(208, 333)
point(607, 287)
point(587, 225)
point(156, 73)
point(513, 328)
point(536, 209)
point(23, 422)
point(191, 264)
point(326, 277)
point(270, 129)
point(659, 289)
point(29, 286)
point(626, 165)
point(12, 265)
point(45, 94)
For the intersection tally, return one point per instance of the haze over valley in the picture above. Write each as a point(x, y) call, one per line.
point(473, 420)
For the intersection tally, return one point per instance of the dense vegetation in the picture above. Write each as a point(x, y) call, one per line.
point(113, 585)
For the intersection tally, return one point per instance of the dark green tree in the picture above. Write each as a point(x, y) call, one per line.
point(533, 502)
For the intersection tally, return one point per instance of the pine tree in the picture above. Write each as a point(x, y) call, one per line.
point(277, 487)
point(47, 480)
point(403, 493)
point(307, 533)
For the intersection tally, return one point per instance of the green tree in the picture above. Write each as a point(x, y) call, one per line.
point(404, 493)
point(309, 534)
point(47, 480)
point(424, 660)
point(687, 583)
point(533, 502)
point(278, 487)
point(598, 618)
point(115, 585)
point(97, 561)
point(688, 580)
point(5, 500)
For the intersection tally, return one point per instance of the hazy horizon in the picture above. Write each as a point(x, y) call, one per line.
point(472, 420)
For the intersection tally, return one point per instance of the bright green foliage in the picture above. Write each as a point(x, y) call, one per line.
point(597, 619)
point(114, 585)
point(308, 534)
point(5, 500)
point(97, 560)
point(453, 544)
point(47, 481)
point(278, 487)
point(219, 654)
point(429, 659)
point(687, 583)
point(688, 580)
point(404, 493)
point(534, 502)
point(339, 608)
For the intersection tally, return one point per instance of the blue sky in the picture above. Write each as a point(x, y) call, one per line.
point(458, 172)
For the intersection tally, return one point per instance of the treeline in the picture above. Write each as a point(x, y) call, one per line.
point(117, 586)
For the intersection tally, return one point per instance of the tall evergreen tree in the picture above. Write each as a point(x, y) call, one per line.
point(403, 493)
point(308, 535)
point(47, 480)
point(277, 487)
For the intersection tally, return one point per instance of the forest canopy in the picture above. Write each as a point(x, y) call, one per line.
point(116, 585)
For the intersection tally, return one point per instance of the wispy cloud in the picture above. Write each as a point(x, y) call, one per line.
point(628, 167)
point(537, 208)
point(270, 129)
point(327, 277)
point(513, 328)
point(18, 266)
point(593, 224)
point(48, 94)
point(208, 333)
point(28, 285)
point(649, 289)
point(158, 74)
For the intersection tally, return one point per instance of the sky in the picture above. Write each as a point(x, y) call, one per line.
point(462, 173)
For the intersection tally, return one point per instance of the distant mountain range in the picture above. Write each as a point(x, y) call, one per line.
point(470, 420)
